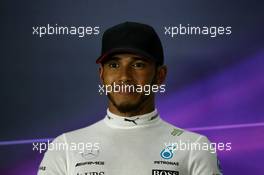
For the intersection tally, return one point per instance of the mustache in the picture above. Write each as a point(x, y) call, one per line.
point(120, 83)
point(125, 85)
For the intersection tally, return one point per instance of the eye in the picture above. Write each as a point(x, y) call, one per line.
point(113, 65)
point(138, 65)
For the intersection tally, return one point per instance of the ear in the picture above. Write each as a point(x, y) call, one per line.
point(101, 71)
point(161, 74)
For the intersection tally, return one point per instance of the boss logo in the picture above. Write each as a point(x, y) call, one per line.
point(164, 172)
point(91, 173)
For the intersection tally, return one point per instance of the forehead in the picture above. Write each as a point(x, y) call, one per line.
point(128, 57)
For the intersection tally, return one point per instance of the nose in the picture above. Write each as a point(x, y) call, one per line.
point(125, 74)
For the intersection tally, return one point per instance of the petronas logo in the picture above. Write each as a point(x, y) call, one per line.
point(167, 153)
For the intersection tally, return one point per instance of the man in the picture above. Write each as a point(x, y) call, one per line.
point(132, 139)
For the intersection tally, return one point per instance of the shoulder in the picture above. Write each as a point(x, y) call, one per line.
point(182, 133)
point(81, 133)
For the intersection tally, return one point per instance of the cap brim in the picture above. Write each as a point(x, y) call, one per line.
point(106, 56)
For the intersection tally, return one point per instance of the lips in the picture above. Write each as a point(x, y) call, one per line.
point(124, 88)
point(126, 93)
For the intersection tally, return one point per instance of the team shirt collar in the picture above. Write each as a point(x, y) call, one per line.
point(118, 121)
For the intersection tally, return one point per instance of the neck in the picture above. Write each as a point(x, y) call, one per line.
point(145, 108)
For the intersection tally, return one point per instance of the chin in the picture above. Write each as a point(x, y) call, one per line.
point(124, 108)
point(128, 103)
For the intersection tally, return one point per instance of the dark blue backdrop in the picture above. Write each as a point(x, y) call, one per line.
point(215, 85)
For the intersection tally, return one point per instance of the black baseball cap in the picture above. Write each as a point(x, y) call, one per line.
point(132, 37)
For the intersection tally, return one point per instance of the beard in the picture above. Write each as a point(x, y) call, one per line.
point(127, 107)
